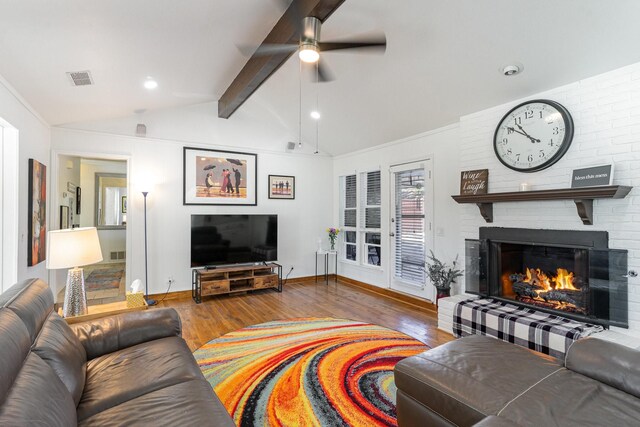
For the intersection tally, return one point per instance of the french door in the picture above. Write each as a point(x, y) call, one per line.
point(410, 227)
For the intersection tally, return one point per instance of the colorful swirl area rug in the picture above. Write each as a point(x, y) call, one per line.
point(307, 372)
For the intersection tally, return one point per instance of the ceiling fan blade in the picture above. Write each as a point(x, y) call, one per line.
point(324, 72)
point(378, 44)
point(267, 49)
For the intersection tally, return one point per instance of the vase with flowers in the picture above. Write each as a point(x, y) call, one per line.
point(333, 235)
point(442, 276)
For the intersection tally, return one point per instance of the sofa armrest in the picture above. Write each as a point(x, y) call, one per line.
point(109, 334)
point(608, 362)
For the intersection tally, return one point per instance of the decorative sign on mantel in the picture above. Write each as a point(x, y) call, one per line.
point(592, 176)
point(474, 182)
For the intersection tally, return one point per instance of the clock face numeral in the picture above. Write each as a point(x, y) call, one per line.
point(520, 137)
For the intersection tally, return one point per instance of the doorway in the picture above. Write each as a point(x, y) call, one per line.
point(92, 192)
point(8, 205)
point(410, 227)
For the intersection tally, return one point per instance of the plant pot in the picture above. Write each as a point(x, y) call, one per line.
point(442, 293)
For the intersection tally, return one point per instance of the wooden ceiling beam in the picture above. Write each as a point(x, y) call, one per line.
point(259, 68)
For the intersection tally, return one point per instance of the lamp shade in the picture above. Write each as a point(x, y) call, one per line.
point(73, 248)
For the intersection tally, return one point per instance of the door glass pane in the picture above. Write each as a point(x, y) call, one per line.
point(410, 226)
point(350, 236)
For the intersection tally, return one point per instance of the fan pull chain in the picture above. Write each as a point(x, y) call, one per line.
point(300, 104)
point(317, 96)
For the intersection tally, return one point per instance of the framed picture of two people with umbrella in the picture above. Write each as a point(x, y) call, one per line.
point(216, 177)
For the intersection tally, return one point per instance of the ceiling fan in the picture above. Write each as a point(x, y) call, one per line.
point(310, 46)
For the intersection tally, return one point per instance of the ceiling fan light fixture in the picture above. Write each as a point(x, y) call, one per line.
point(309, 54)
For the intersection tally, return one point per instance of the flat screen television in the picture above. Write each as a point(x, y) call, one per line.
point(233, 239)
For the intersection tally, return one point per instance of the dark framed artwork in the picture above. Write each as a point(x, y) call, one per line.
point(123, 204)
point(78, 210)
point(64, 217)
point(215, 177)
point(282, 187)
point(37, 205)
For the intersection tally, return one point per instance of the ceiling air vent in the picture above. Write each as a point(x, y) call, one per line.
point(80, 78)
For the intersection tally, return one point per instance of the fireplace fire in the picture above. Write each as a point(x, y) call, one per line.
point(570, 273)
point(554, 291)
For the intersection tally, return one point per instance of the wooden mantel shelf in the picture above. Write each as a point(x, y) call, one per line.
point(583, 198)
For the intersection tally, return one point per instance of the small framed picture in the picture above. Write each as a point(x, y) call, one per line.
point(282, 187)
point(592, 176)
point(64, 217)
point(124, 204)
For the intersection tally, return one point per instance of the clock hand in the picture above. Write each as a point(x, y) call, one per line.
point(524, 132)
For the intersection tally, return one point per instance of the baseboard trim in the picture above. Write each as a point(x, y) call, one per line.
point(390, 293)
point(171, 295)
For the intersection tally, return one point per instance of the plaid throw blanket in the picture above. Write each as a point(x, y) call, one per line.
point(535, 330)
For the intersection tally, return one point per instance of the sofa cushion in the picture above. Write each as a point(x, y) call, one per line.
point(190, 403)
point(118, 377)
point(37, 398)
point(569, 399)
point(61, 349)
point(467, 379)
point(607, 362)
point(32, 301)
point(15, 345)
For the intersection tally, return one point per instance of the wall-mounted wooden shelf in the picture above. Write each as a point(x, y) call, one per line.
point(583, 198)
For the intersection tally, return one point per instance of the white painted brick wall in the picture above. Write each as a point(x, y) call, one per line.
point(606, 113)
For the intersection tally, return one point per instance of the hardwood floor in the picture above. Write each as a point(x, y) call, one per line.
point(219, 315)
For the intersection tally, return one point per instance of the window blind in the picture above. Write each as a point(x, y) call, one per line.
point(410, 227)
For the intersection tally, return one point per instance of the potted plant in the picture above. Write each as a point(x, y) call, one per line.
point(442, 276)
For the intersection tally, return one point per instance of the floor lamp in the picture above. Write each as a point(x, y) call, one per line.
point(73, 248)
point(146, 268)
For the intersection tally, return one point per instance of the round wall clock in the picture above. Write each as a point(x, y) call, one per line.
point(533, 135)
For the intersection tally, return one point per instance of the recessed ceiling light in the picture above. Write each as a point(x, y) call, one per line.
point(511, 69)
point(150, 83)
point(315, 115)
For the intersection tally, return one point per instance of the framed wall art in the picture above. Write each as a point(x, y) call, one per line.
point(215, 177)
point(64, 217)
point(37, 205)
point(282, 187)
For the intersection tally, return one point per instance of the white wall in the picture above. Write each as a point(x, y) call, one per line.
point(301, 220)
point(441, 145)
point(34, 143)
point(606, 113)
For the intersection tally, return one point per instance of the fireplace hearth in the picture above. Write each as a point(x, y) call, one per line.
point(570, 273)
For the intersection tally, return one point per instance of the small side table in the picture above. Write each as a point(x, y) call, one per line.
point(325, 255)
point(102, 310)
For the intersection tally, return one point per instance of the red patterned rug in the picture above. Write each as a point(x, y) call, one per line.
point(307, 372)
point(104, 279)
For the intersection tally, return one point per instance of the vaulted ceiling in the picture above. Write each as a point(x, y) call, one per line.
point(442, 59)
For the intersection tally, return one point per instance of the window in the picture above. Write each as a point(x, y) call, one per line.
point(349, 215)
point(360, 218)
point(371, 217)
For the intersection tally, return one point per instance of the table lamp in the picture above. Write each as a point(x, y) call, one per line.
point(73, 248)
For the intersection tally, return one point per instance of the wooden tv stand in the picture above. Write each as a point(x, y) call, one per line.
point(228, 280)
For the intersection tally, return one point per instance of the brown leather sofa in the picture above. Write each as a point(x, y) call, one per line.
point(130, 369)
point(484, 381)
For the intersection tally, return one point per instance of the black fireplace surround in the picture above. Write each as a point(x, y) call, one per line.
point(570, 273)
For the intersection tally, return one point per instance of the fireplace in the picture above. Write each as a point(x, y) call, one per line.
point(570, 273)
